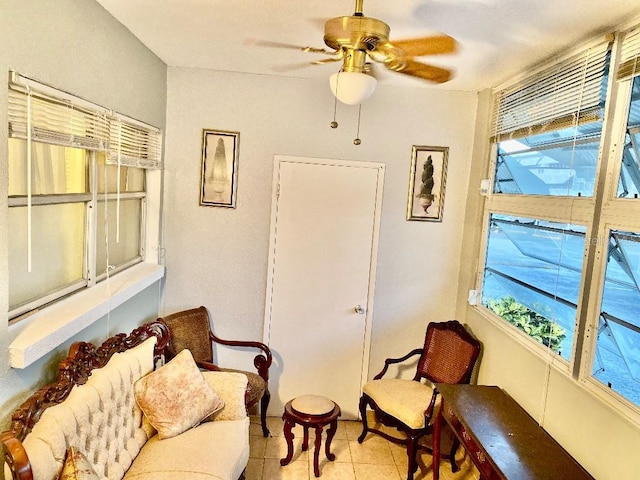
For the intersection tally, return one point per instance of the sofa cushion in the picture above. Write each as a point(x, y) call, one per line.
point(231, 388)
point(77, 467)
point(212, 450)
point(176, 397)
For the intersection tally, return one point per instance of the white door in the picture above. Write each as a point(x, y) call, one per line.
point(325, 220)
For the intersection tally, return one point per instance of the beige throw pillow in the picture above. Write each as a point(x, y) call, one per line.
point(231, 386)
point(77, 467)
point(176, 397)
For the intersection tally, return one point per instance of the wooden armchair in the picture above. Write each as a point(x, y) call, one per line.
point(191, 329)
point(448, 356)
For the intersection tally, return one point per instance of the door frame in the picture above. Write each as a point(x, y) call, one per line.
point(380, 167)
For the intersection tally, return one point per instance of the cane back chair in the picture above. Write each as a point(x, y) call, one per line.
point(449, 355)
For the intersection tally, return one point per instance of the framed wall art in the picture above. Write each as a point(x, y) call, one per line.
point(219, 171)
point(427, 183)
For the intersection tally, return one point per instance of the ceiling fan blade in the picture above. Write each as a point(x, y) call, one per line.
point(266, 43)
point(418, 47)
point(289, 67)
point(420, 70)
point(327, 60)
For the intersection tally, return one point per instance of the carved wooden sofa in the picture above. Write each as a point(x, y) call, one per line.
point(97, 415)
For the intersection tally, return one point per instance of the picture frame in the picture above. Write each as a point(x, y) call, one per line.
point(428, 177)
point(219, 168)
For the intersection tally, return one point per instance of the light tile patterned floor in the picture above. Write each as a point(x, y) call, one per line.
point(374, 459)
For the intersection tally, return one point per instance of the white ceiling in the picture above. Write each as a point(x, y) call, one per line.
point(497, 38)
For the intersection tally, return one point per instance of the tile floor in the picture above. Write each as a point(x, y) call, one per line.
point(374, 459)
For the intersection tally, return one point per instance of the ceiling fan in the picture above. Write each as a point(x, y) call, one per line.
point(356, 39)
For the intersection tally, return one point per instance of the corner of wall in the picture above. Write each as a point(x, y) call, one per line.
point(475, 204)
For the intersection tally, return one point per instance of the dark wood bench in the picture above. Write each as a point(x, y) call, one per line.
point(502, 439)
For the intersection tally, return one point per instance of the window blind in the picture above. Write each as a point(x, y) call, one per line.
point(630, 55)
point(567, 93)
point(52, 116)
point(133, 144)
point(40, 113)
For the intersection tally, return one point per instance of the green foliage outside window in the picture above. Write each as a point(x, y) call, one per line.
point(545, 331)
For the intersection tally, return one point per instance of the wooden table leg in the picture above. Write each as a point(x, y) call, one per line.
point(305, 439)
point(316, 451)
point(327, 446)
point(437, 429)
point(288, 435)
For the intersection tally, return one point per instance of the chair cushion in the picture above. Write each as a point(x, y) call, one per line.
point(256, 386)
point(176, 397)
point(405, 400)
point(226, 447)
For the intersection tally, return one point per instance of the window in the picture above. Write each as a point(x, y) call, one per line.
point(617, 355)
point(77, 193)
point(532, 277)
point(562, 233)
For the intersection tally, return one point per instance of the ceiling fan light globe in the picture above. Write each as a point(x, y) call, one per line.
point(352, 87)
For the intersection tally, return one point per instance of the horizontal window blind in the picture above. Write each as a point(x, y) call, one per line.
point(630, 55)
point(567, 93)
point(55, 117)
point(134, 144)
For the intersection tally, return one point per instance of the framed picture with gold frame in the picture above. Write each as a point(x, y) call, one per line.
point(219, 170)
point(427, 182)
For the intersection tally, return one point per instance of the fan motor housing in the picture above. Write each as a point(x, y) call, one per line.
point(355, 32)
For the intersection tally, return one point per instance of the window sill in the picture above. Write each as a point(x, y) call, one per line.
point(49, 328)
point(622, 407)
point(538, 349)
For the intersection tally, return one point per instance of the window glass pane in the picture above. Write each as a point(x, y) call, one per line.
point(58, 245)
point(131, 178)
point(54, 169)
point(617, 359)
point(532, 277)
point(128, 248)
point(561, 163)
point(629, 182)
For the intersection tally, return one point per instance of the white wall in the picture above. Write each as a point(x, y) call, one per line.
point(217, 257)
point(74, 45)
point(600, 438)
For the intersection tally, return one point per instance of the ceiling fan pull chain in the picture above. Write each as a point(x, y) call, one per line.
point(334, 124)
point(357, 140)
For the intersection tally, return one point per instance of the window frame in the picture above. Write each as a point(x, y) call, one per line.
point(600, 214)
point(40, 113)
point(91, 199)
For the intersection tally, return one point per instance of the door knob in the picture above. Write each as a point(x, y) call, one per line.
point(359, 310)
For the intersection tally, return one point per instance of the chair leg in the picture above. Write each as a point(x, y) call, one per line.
point(363, 415)
point(412, 450)
point(264, 403)
point(452, 455)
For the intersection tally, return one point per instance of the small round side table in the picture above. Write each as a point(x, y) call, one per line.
point(310, 411)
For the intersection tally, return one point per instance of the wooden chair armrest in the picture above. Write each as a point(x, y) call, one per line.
point(261, 362)
point(390, 361)
point(16, 457)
